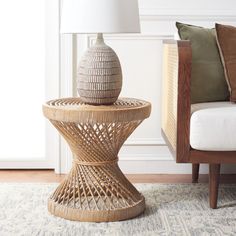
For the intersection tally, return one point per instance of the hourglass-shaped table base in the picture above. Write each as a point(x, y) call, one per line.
point(95, 189)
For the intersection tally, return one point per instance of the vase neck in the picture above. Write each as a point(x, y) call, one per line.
point(100, 39)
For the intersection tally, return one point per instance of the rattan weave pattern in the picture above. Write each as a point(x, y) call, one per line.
point(75, 110)
point(96, 189)
point(170, 88)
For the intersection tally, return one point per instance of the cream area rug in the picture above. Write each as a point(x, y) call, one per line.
point(172, 209)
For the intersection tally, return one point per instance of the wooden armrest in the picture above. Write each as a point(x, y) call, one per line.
point(176, 105)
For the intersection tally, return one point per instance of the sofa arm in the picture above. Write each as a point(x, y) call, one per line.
point(176, 105)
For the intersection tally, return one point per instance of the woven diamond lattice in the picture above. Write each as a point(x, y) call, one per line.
point(95, 189)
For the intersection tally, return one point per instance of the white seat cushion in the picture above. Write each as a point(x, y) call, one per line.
point(213, 126)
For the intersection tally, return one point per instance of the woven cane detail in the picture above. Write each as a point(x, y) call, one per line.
point(93, 181)
point(96, 189)
point(75, 110)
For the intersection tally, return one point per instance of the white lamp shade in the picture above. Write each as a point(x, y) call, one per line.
point(100, 16)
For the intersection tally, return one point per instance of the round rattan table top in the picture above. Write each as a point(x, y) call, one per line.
point(74, 110)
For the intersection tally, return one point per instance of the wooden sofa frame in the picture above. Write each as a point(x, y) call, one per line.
point(176, 113)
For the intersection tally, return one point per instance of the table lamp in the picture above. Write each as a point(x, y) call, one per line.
point(99, 75)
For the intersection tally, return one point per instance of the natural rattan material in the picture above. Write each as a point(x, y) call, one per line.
point(170, 90)
point(96, 189)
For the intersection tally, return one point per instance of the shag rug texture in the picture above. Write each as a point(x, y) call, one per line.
point(171, 209)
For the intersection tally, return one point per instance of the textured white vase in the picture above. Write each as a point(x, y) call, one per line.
point(99, 74)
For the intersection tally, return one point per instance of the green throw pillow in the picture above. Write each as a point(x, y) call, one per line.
point(208, 82)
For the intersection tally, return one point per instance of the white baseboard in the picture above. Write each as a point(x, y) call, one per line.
point(161, 167)
point(167, 167)
point(143, 159)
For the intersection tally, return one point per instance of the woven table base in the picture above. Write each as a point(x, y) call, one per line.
point(96, 194)
point(95, 189)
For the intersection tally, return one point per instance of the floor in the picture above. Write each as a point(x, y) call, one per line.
point(50, 176)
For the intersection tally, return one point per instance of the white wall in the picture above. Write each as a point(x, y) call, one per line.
point(141, 59)
point(29, 74)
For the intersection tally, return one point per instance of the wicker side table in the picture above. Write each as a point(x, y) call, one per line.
point(96, 189)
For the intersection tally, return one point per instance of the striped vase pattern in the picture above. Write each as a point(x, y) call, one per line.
point(99, 75)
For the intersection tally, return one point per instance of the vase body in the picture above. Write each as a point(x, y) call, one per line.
point(99, 78)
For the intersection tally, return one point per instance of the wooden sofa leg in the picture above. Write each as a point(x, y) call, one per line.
point(214, 177)
point(195, 173)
